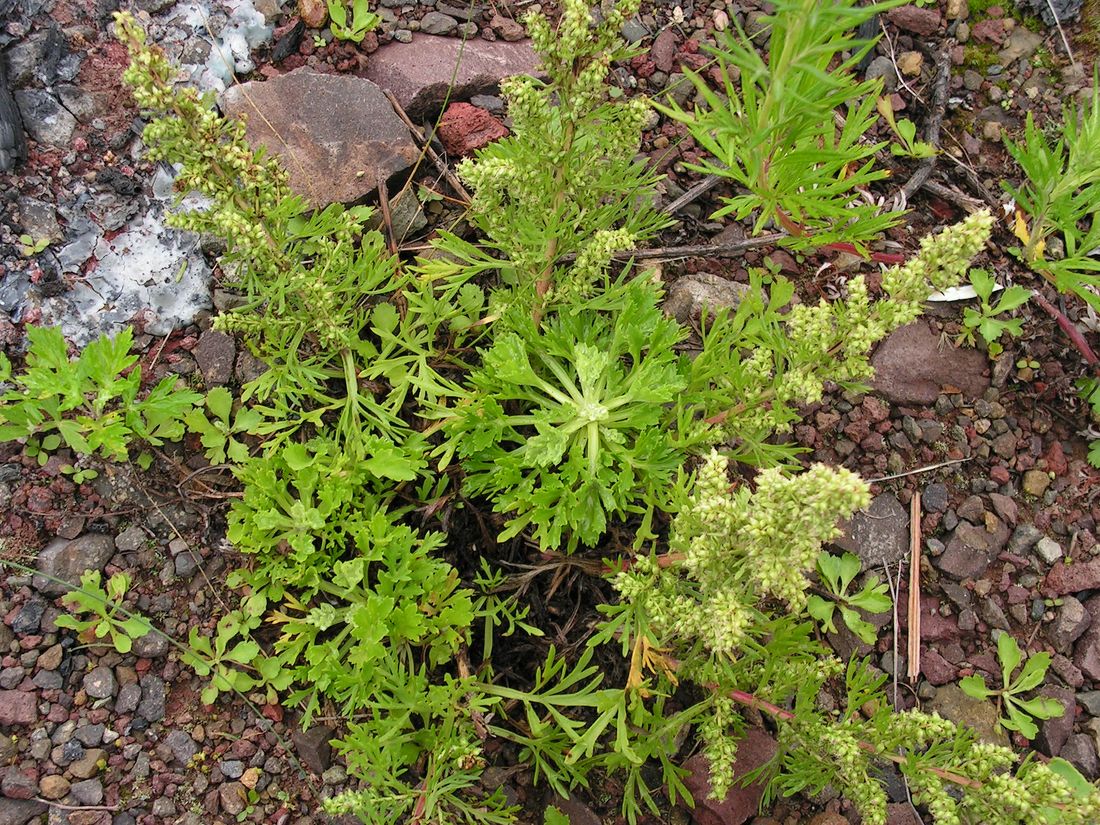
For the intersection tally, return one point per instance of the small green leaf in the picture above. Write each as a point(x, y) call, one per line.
point(974, 686)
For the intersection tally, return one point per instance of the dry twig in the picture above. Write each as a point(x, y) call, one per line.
point(913, 668)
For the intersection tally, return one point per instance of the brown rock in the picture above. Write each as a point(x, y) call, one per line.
point(937, 669)
point(89, 764)
point(215, 354)
point(753, 750)
point(989, 31)
point(233, 798)
point(663, 50)
point(970, 550)
point(465, 128)
point(17, 785)
point(916, 20)
point(419, 73)
point(508, 29)
point(1072, 578)
point(913, 366)
point(335, 134)
point(53, 786)
point(314, 12)
point(17, 708)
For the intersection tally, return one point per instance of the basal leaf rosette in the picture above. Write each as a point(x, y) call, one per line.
point(565, 426)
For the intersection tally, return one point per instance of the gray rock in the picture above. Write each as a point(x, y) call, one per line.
point(691, 295)
point(231, 768)
point(1069, 623)
point(1080, 750)
point(1021, 44)
point(19, 811)
point(130, 540)
point(336, 134)
point(87, 792)
point(10, 677)
point(993, 614)
point(1024, 538)
point(935, 498)
point(969, 551)
point(65, 561)
point(100, 683)
point(186, 564)
point(90, 736)
point(913, 366)
point(128, 698)
point(1054, 732)
point(1086, 652)
point(435, 23)
point(182, 747)
point(461, 12)
point(151, 707)
point(419, 73)
point(215, 353)
point(1055, 11)
point(883, 67)
point(138, 273)
point(633, 31)
point(152, 645)
point(1090, 701)
point(878, 534)
point(48, 680)
point(45, 120)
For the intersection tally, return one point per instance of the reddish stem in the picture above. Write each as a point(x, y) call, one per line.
point(879, 257)
point(1069, 328)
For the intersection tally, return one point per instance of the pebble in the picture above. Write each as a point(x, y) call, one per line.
point(233, 797)
point(100, 683)
point(1048, 550)
point(53, 786)
point(231, 768)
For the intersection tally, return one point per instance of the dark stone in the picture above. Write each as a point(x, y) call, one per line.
point(1054, 732)
point(20, 811)
point(46, 120)
point(1086, 652)
point(29, 617)
point(313, 747)
point(970, 550)
point(1080, 751)
point(1069, 623)
point(65, 561)
point(935, 498)
point(215, 354)
point(151, 707)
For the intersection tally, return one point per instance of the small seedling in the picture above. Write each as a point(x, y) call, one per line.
point(1018, 713)
point(906, 132)
point(29, 247)
point(837, 573)
point(984, 320)
point(217, 430)
point(78, 475)
point(363, 20)
point(108, 618)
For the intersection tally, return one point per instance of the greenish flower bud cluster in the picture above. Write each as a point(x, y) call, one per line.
point(566, 181)
point(743, 547)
